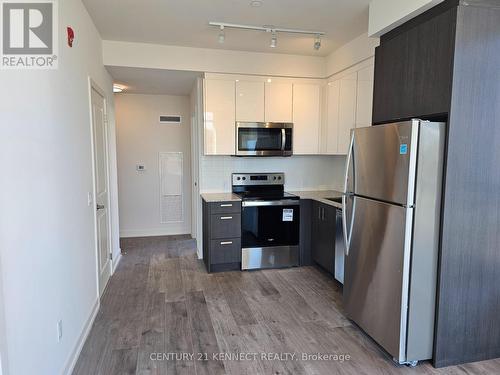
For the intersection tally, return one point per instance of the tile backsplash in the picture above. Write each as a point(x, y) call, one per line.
point(301, 172)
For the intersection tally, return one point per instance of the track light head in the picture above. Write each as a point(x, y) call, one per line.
point(274, 40)
point(317, 42)
point(222, 35)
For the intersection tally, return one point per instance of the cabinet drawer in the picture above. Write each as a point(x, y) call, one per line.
point(225, 226)
point(225, 207)
point(225, 251)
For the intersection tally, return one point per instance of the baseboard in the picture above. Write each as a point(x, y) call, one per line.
point(70, 364)
point(116, 261)
point(154, 232)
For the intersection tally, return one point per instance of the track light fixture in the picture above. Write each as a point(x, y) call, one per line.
point(274, 40)
point(274, 32)
point(317, 42)
point(222, 35)
point(118, 88)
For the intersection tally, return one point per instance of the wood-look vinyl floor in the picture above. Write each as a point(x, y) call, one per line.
point(162, 313)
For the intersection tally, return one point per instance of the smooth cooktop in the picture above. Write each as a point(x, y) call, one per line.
point(267, 196)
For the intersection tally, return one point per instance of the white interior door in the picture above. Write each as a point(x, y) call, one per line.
point(101, 188)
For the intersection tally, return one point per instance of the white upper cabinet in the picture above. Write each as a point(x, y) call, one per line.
point(347, 111)
point(278, 102)
point(306, 118)
point(364, 97)
point(323, 114)
point(219, 119)
point(250, 101)
point(331, 129)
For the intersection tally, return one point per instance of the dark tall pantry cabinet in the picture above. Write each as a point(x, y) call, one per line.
point(445, 64)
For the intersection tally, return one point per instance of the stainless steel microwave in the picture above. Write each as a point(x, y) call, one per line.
point(264, 139)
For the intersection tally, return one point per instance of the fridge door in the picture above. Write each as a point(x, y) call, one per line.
point(383, 162)
point(376, 272)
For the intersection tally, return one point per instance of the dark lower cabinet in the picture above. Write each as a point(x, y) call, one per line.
point(222, 236)
point(323, 219)
point(305, 232)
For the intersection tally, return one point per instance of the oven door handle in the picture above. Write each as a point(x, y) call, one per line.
point(285, 202)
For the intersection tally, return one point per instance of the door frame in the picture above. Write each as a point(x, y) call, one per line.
point(195, 161)
point(94, 86)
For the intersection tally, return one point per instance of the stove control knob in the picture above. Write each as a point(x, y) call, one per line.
point(274, 178)
point(279, 178)
point(244, 178)
point(238, 178)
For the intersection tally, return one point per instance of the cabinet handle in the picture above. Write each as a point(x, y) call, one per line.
point(226, 205)
point(226, 243)
point(226, 217)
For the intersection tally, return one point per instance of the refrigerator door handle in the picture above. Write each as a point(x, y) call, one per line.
point(348, 246)
point(347, 237)
point(348, 162)
point(348, 234)
point(344, 223)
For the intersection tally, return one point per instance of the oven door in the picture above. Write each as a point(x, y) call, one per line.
point(270, 234)
point(263, 139)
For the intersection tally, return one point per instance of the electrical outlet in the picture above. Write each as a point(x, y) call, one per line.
point(59, 331)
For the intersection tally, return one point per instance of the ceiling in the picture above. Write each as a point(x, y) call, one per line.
point(153, 81)
point(185, 22)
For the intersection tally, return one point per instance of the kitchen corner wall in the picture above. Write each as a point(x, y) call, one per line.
point(301, 172)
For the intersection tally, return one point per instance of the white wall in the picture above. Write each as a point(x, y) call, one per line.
point(386, 15)
point(140, 138)
point(47, 243)
point(3, 332)
point(142, 55)
point(354, 52)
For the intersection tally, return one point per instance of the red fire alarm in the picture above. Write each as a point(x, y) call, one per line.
point(71, 36)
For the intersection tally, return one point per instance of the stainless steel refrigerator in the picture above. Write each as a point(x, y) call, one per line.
point(391, 215)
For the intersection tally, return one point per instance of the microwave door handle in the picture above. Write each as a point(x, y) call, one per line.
point(283, 139)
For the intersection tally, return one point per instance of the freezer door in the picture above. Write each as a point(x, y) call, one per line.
point(376, 272)
point(383, 162)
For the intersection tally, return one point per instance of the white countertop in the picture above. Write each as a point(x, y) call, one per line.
point(320, 196)
point(220, 197)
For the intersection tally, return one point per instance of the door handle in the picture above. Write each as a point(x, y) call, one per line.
point(344, 221)
point(348, 236)
point(226, 205)
point(348, 163)
point(100, 206)
point(226, 243)
point(226, 217)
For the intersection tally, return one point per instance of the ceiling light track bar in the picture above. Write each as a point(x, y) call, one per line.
point(265, 28)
